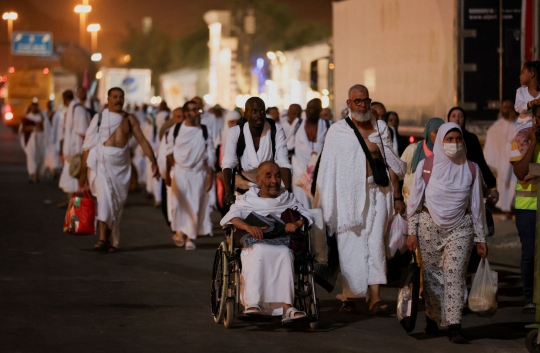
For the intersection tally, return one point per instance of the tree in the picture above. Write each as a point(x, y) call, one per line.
point(148, 50)
point(191, 50)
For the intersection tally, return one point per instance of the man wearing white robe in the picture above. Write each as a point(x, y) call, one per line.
point(162, 115)
point(72, 134)
point(267, 279)
point(306, 144)
point(151, 134)
point(355, 209)
point(191, 157)
point(34, 141)
point(499, 138)
point(93, 106)
point(52, 119)
point(293, 113)
point(258, 149)
point(107, 165)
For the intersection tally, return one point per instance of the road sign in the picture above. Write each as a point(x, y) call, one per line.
point(32, 43)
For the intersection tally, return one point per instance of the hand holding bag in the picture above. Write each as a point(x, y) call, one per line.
point(81, 214)
point(407, 303)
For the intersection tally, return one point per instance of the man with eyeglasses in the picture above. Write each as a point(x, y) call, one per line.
point(358, 195)
point(254, 140)
point(191, 158)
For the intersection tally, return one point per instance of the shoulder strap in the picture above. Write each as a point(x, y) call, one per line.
point(297, 126)
point(272, 136)
point(327, 122)
point(428, 167)
point(361, 140)
point(99, 123)
point(176, 130)
point(204, 131)
point(241, 144)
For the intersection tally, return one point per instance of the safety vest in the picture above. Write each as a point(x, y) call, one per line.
point(526, 193)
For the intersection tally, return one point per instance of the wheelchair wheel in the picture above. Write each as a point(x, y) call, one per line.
point(531, 341)
point(220, 278)
point(229, 314)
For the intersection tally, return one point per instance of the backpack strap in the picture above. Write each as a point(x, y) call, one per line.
point(176, 130)
point(204, 132)
point(327, 122)
point(99, 122)
point(428, 167)
point(241, 144)
point(296, 127)
point(273, 131)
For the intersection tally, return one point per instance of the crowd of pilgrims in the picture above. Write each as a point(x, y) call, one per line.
point(208, 159)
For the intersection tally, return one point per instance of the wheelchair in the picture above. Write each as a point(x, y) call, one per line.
point(225, 292)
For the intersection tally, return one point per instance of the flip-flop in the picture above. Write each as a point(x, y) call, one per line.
point(378, 307)
point(291, 314)
point(253, 310)
point(190, 245)
point(179, 241)
point(529, 308)
point(113, 249)
point(101, 245)
point(348, 306)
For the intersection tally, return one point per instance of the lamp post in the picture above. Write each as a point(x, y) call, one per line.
point(10, 17)
point(82, 10)
point(93, 29)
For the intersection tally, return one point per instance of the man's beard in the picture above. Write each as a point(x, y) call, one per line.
point(361, 117)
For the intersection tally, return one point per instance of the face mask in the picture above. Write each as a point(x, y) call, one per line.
point(453, 150)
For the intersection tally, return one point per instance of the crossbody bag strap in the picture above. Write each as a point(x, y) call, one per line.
point(361, 140)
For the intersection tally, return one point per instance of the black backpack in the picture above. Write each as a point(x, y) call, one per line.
point(177, 130)
point(241, 145)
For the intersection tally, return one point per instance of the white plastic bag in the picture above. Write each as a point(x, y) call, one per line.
point(396, 236)
point(483, 296)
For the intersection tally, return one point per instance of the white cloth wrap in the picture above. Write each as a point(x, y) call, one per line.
point(451, 190)
point(251, 159)
point(109, 171)
point(303, 148)
point(342, 183)
point(52, 155)
point(192, 156)
point(35, 146)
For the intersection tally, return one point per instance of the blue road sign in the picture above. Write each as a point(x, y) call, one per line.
point(32, 43)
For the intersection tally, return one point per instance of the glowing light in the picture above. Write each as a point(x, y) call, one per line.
point(127, 58)
point(208, 99)
point(93, 27)
point(260, 63)
point(45, 71)
point(11, 70)
point(51, 97)
point(83, 8)
point(411, 139)
point(99, 75)
point(9, 115)
point(325, 101)
point(331, 66)
point(4, 78)
point(155, 100)
point(271, 55)
point(325, 92)
point(96, 57)
point(10, 16)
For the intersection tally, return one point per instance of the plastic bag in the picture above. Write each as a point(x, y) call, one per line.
point(306, 178)
point(396, 236)
point(81, 214)
point(407, 303)
point(483, 296)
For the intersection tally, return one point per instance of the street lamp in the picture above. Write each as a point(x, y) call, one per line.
point(10, 17)
point(93, 29)
point(82, 10)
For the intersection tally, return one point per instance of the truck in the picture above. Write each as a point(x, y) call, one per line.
point(422, 57)
point(136, 84)
point(24, 86)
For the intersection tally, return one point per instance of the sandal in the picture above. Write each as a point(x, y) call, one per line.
point(378, 307)
point(529, 308)
point(347, 306)
point(190, 245)
point(253, 310)
point(179, 240)
point(101, 245)
point(291, 314)
point(113, 249)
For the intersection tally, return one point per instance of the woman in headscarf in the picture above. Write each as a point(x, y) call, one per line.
point(475, 153)
point(416, 152)
point(446, 215)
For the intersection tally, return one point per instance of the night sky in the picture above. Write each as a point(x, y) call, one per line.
point(173, 16)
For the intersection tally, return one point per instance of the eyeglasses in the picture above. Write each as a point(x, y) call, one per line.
point(365, 101)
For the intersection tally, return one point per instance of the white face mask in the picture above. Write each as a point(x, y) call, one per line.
point(453, 150)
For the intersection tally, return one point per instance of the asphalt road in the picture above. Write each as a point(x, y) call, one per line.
point(56, 295)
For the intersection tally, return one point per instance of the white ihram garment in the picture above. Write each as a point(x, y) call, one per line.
point(354, 208)
point(52, 155)
point(303, 149)
point(35, 146)
point(267, 279)
point(75, 125)
point(251, 159)
point(499, 139)
point(109, 171)
point(153, 186)
point(192, 156)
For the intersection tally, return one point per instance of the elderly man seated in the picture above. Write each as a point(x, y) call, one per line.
point(267, 270)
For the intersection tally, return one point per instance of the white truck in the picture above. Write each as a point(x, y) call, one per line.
point(136, 84)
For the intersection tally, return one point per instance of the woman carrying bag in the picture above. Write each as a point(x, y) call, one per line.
point(446, 216)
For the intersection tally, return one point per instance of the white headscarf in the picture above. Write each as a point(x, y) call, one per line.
point(451, 189)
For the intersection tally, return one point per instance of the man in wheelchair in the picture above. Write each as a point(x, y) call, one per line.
point(267, 270)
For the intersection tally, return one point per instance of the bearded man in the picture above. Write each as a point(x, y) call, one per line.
point(355, 208)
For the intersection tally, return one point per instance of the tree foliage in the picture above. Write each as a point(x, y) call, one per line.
point(191, 50)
